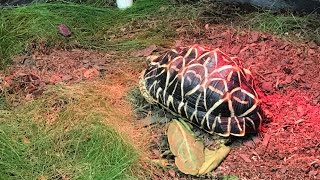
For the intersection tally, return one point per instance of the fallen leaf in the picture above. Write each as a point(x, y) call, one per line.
point(213, 159)
point(189, 152)
point(64, 30)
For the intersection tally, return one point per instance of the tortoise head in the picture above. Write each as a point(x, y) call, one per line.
point(142, 86)
point(150, 59)
point(143, 89)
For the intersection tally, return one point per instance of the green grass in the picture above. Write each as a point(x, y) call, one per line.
point(96, 3)
point(145, 23)
point(291, 25)
point(305, 27)
point(74, 145)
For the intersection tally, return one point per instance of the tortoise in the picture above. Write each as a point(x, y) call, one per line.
point(206, 87)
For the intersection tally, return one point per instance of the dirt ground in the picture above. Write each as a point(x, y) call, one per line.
point(287, 77)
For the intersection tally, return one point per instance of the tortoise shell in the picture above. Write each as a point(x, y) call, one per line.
point(206, 87)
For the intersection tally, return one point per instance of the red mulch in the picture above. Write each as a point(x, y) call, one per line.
point(29, 74)
point(288, 79)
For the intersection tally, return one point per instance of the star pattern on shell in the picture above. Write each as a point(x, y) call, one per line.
point(206, 87)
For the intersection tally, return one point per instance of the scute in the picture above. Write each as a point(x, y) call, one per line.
point(206, 87)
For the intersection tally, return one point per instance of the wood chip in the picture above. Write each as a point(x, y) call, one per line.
point(267, 86)
point(256, 140)
point(283, 170)
point(301, 72)
point(311, 52)
point(266, 139)
point(91, 73)
point(245, 158)
point(256, 154)
point(66, 77)
point(244, 49)
point(29, 97)
point(288, 80)
point(249, 144)
point(235, 50)
point(262, 149)
point(178, 43)
point(313, 173)
point(299, 121)
point(172, 173)
point(54, 78)
point(302, 110)
point(254, 37)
